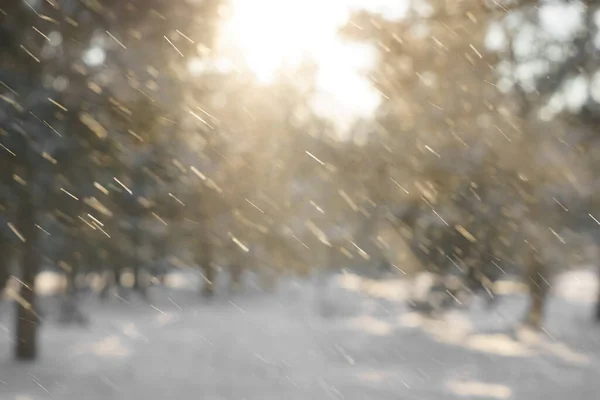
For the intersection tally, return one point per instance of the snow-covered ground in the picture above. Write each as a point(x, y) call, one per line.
point(341, 338)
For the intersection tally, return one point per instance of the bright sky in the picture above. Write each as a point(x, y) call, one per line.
point(267, 36)
point(534, 44)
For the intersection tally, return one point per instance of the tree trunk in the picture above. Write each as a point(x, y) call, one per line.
point(116, 275)
point(135, 270)
point(597, 316)
point(209, 273)
point(139, 284)
point(236, 272)
point(112, 279)
point(27, 317)
point(108, 281)
point(5, 259)
point(70, 312)
point(537, 292)
point(204, 257)
point(72, 274)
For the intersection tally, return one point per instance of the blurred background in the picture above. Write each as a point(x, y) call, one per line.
point(328, 199)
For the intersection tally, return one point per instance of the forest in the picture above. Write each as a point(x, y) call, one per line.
point(247, 143)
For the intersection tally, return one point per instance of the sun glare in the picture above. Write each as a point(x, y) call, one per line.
point(269, 37)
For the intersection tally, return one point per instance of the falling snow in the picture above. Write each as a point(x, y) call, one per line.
point(273, 199)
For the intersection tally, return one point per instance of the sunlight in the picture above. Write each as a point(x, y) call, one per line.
point(270, 37)
point(475, 389)
point(371, 325)
point(111, 346)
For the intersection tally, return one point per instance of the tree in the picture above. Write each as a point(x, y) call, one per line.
point(56, 101)
point(460, 159)
point(553, 77)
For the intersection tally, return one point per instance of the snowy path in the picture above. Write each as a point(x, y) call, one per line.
point(281, 347)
